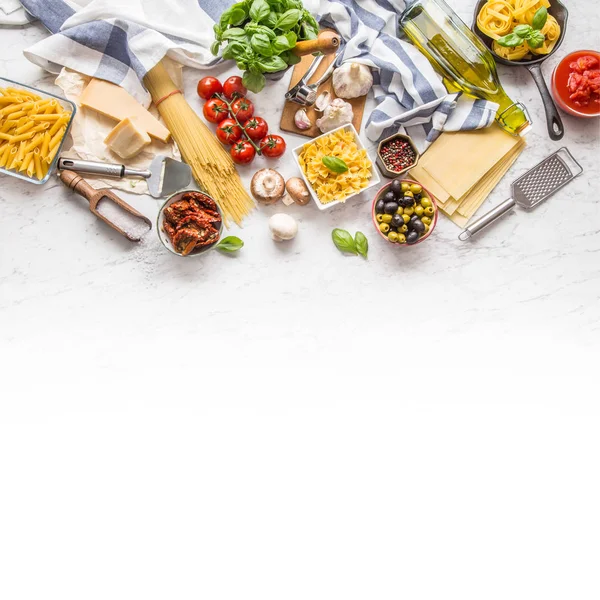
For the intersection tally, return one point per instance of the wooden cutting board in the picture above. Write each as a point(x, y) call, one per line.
point(290, 108)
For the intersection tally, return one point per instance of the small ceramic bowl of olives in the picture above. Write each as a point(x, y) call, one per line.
point(404, 212)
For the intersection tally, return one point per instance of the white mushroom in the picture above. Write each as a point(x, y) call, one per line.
point(267, 186)
point(297, 190)
point(283, 227)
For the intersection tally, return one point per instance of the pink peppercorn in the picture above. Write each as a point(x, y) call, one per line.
point(397, 155)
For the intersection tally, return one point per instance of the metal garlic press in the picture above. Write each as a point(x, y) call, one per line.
point(304, 93)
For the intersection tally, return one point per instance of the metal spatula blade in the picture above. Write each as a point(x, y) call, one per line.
point(168, 176)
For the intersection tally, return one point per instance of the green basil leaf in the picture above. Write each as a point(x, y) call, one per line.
point(362, 244)
point(291, 59)
point(536, 39)
point(510, 41)
point(215, 47)
point(281, 43)
point(259, 10)
point(271, 64)
point(230, 244)
point(271, 19)
point(234, 51)
point(335, 164)
point(292, 38)
point(254, 81)
point(261, 44)
point(523, 31)
point(343, 241)
point(235, 33)
point(225, 16)
point(288, 19)
point(539, 19)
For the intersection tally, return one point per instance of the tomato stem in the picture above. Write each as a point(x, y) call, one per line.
point(229, 105)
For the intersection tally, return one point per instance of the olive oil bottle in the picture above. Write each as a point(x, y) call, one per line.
point(461, 58)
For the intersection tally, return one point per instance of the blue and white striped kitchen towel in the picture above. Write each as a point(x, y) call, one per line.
point(121, 42)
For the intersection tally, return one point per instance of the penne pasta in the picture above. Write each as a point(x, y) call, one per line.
point(38, 166)
point(56, 138)
point(58, 125)
point(45, 146)
point(24, 136)
point(16, 115)
point(5, 154)
point(6, 136)
point(24, 128)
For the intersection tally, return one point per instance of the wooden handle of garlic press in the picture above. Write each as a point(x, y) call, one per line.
point(328, 42)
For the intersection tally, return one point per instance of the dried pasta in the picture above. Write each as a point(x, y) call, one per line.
point(31, 130)
point(498, 18)
point(329, 186)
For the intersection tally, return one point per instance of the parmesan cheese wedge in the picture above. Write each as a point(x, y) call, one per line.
point(127, 139)
point(114, 102)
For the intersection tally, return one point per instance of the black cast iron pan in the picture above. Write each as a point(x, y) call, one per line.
point(560, 13)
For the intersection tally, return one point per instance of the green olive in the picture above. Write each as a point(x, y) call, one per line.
point(405, 187)
point(384, 227)
point(406, 218)
point(386, 219)
point(409, 210)
point(419, 210)
point(380, 218)
point(426, 228)
point(415, 188)
point(426, 220)
point(429, 211)
point(399, 211)
point(401, 238)
point(403, 229)
point(409, 194)
point(425, 202)
point(392, 236)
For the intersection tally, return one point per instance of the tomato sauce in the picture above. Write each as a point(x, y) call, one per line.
point(576, 82)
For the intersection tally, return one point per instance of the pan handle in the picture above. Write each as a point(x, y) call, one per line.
point(553, 120)
point(492, 215)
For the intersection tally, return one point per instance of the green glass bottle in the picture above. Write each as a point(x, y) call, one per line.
point(461, 58)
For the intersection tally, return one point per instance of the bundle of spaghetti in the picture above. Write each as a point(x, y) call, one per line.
point(212, 166)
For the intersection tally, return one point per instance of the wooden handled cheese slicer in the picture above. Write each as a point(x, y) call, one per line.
point(165, 175)
point(107, 206)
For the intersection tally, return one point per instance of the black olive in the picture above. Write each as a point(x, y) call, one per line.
point(418, 226)
point(397, 221)
point(407, 201)
point(379, 206)
point(412, 237)
point(389, 197)
point(413, 218)
point(390, 208)
point(396, 188)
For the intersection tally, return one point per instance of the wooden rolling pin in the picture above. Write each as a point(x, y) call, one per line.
point(328, 42)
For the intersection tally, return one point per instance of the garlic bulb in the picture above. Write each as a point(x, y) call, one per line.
point(352, 80)
point(338, 113)
point(301, 120)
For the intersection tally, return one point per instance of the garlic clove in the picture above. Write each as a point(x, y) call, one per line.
point(301, 120)
point(323, 100)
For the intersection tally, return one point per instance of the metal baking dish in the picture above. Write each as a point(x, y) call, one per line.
point(64, 103)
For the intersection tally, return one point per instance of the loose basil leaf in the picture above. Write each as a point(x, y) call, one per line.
point(343, 241)
point(254, 81)
point(335, 164)
point(511, 40)
point(235, 33)
point(288, 19)
point(539, 19)
point(230, 244)
point(523, 31)
point(259, 10)
point(362, 244)
point(536, 39)
point(261, 44)
point(271, 64)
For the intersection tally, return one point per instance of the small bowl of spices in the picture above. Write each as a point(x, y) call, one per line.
point(189, 223)
point(396, 155)
point(404, 212)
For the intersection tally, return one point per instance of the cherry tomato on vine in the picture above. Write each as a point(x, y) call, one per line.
point(243, 109)
point(229, 132)
point(272, 146)
point(215, 110)
point(256, 128)
point(208, 87)
point(234, 87)
point(242, 152)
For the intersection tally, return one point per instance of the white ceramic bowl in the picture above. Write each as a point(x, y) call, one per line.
point(375, 179)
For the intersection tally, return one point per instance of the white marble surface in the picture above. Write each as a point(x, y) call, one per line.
point(63, 271)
